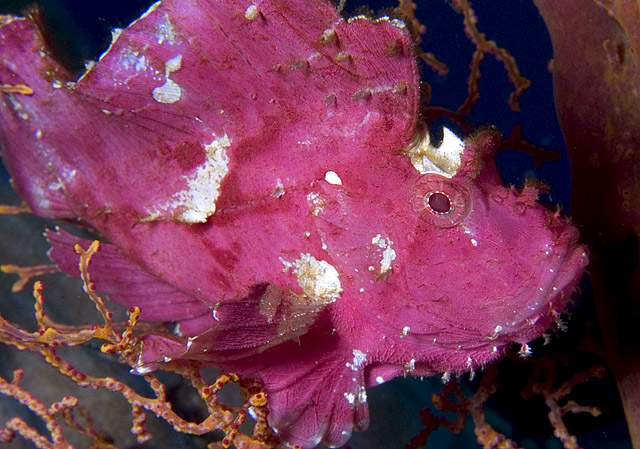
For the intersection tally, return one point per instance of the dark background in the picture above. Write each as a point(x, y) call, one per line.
point(81, 30)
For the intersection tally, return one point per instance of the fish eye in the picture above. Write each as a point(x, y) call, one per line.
point(440, 201)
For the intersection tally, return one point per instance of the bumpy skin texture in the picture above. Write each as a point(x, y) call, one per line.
point(247, 165)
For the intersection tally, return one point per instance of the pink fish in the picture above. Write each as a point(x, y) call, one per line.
point(260, 176)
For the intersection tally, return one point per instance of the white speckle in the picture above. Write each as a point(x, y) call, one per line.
point(214, 312)
point(371, 268)
point(68, 175)
point(332, 178)
point(361, 290)
point(496, 332)
point(314, 200)
point(474, 242)
point(198, 201)
point(89, 65)
point(190, 341)
point(362, 395)
point(279, 190)
point(307, 234)
point(55, 185)
point(328, 36)
point(115, 34)
point(469, 362)
point(344, 433)
point(446, 377)
point(359, 359)
point(141, 369)
point(379, 380)
point(405, 331)
point(133, 59)
point(166, 32)
point(318, 279)
point(397, 23)
point(169, 92)
point(38, 134)
point(410, 366)
point(525, 351)
point(17, 107)
point(443, 160)
point(388, 256)
point(350, 397)
point(252, 12)
point(494, 349)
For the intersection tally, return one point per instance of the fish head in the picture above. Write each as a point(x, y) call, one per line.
point(487, 265)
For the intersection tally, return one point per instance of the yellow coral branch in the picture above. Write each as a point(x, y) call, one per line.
point(25, 274)
point(16, 89)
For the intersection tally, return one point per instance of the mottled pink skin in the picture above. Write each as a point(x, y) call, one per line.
point(294, 106)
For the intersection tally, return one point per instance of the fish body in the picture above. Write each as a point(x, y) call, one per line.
point(261, 178)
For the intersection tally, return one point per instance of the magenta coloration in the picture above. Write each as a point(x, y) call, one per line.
point(261, 175)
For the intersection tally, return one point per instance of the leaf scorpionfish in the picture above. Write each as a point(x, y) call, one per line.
point(261, 178)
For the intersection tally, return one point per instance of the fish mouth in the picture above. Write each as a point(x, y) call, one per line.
point(556, 287)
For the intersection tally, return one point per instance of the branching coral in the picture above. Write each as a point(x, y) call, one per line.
point(49, 335)
point(541, 382)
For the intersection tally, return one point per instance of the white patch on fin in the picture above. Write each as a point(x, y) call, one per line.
point(169, 92)
point(443, 160)
point(166, 32)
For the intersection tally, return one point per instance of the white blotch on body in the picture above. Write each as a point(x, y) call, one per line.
point(318, 279)
point(252, 12)
point(198, 201)
point(388, 255)
point(332, 178)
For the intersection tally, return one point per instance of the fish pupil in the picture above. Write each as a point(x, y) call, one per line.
point(439, 202)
